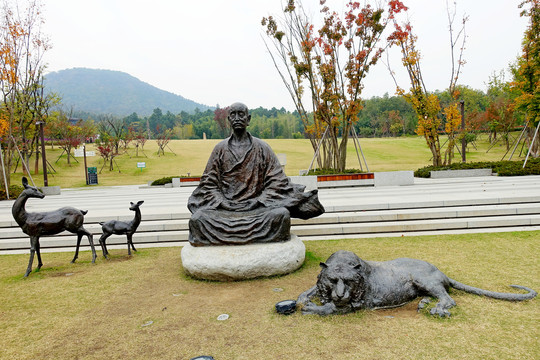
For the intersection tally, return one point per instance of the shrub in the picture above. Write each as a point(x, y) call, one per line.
point(334, 172)
point(163, 181)
point(14, 192)
point(365, 132)
point(502, 168)
point(167, 180)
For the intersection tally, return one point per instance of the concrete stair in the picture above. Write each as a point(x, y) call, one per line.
point(340, 221)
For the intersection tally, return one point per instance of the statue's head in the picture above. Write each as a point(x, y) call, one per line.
point(238, 116)
point(30, 191)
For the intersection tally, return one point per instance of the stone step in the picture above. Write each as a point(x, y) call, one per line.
point(69, 240)
point(417, 225)
point(146, 226)
point(171, 222)
point(427, 207)
point(93, 219)
point(424, 203)
point(423, 213)
point(175, 231)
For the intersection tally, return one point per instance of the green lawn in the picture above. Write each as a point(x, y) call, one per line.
point(97, 311)
point(185, 157)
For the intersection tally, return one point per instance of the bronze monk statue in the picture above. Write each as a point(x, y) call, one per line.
point(244, 196)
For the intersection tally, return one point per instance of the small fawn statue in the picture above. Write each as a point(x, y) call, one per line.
point(39, 224)
point(121, 228)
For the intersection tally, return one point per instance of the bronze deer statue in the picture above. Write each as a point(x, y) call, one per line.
point(39, 224)
point(121, 228)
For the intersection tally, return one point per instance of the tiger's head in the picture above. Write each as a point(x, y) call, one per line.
point(341, 282)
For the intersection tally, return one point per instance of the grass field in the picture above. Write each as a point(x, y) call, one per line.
point(97, 311)
point(145, 307)
point(185, 157)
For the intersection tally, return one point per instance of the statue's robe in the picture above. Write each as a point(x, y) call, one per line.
point(253, 176)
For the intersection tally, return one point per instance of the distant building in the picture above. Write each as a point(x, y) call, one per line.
point(74, 121)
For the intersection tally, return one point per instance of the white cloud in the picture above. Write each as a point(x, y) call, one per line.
point(211, 51)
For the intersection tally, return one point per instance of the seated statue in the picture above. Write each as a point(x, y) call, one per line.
point(244, 196)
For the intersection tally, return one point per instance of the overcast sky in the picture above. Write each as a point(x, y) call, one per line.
point(211, 51)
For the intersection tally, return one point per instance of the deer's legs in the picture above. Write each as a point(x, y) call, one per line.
point(38, 253)
point(82, 231)
point(102, 239)
point(91, 241)
point(33, 242)
point(130, 242)
point(29, 268)
point(79, 237)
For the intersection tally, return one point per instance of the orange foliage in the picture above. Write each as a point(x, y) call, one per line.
point(4, 123)
point(453, 119)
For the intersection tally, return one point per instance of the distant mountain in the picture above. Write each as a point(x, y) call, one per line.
point(113, 92)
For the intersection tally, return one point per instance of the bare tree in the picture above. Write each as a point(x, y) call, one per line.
point(114, 130)
point(163, 137)
point(329, 65)
point(426, 104)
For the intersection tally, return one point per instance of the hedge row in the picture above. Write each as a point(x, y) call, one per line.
point(163, 180)
point(334, 172)
point(14, 192)
point(502, 168)
point(166, 180)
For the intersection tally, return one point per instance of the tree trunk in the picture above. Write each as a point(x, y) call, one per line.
point(342, 165)
point(436, 156)
point(6, 169)
point(68, 151)
point(535, 146)
point(449, 155)
point(8, 162)
point(434, 147)
point(314, 144)
point(36, 164)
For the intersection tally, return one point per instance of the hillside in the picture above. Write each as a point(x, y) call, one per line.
point(113, 92)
